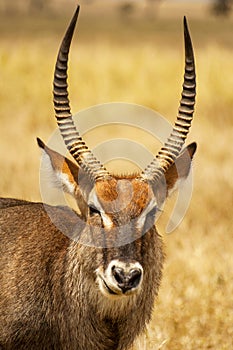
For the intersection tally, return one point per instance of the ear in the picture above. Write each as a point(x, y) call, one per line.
point(180, 169)
point(64, 173)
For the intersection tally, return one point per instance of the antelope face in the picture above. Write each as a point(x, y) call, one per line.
point(125, 209)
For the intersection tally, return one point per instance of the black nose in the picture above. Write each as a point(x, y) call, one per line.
point(126, 280)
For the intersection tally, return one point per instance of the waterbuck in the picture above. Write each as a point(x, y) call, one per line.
point(88, 280)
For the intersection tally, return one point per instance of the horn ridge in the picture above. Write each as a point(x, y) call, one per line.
point(73, 141)
point(172, 147)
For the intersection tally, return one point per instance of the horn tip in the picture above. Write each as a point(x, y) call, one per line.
point(188, 41)
point(185, 22)
point(77, 9)
point(74, 20)
point(76, 13)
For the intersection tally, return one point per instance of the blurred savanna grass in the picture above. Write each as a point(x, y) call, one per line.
point(138, 59)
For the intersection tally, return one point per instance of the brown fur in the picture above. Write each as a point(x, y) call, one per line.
point(49, 298)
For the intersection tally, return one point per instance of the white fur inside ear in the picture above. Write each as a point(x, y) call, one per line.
point(57, 179)
point(68, 186)
point(48, 170)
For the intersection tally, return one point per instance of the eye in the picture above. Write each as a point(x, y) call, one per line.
point(94, 210)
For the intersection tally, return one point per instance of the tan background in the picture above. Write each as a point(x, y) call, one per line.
point(136, 57)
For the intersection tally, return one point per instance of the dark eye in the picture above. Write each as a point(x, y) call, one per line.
point(94, 210)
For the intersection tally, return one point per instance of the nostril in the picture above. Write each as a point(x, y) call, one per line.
point(118, 274)
point(134, 278)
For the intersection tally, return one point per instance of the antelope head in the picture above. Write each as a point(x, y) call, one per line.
point(119, 211)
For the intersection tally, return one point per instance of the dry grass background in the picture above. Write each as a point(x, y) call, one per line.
point(138, 60)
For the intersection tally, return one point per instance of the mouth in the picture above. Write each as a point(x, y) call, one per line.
point(109, 290)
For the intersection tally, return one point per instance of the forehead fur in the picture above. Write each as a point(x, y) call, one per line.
point(123, 194)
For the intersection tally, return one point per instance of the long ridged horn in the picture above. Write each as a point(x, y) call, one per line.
point(172, 147)
point(74, 142)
